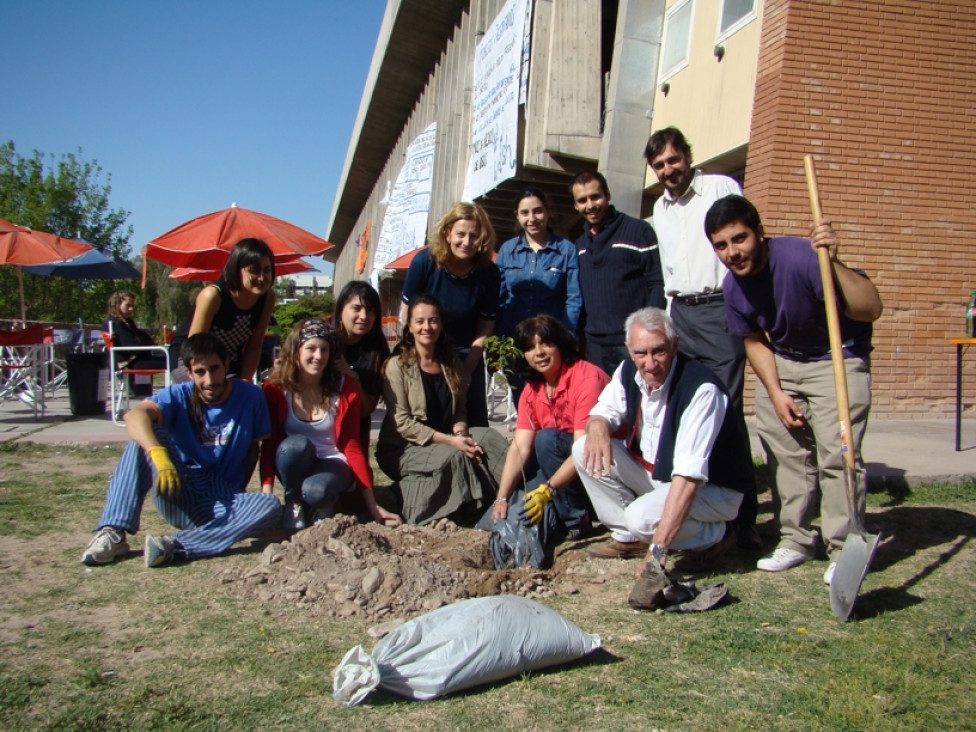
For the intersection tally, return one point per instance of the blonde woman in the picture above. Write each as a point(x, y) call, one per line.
point(458, 270)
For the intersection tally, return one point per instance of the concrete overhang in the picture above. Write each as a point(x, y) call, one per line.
point(412, 37)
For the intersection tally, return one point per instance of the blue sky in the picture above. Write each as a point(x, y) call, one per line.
point(191, 106)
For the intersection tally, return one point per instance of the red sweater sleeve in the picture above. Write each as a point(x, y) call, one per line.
point(277, 410)
point(347, 434)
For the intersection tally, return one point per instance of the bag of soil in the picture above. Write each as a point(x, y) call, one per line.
point(458, 646)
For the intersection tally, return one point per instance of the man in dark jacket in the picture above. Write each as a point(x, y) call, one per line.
point(620, 269)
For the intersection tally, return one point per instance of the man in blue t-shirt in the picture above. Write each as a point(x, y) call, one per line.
point(774, 299)
point(197, 444)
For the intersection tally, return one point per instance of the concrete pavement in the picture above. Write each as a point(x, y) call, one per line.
point(897, 451)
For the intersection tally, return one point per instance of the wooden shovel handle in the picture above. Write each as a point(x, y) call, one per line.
point(833, 319)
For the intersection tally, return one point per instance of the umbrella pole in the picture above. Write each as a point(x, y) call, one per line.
point(20, 288)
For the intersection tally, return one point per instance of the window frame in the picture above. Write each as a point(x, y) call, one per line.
point(665, 74)
point(738, 25)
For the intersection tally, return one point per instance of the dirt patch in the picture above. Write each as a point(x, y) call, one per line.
point(340, 567)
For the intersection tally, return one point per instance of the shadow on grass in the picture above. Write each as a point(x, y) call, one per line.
point(905, 531)
point(600, 657)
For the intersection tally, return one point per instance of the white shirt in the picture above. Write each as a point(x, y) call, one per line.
point(321, 432)
point(697, 432)
point(691, 266)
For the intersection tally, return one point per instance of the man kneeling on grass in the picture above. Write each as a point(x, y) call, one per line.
point(197, 443)
point(674, 475)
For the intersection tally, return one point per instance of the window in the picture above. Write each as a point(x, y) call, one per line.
point(677, 38)
point(734, 15)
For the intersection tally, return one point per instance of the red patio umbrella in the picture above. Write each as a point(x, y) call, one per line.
point(204, 243)
point(283, 267)
point(22, 246)
point(402, 263)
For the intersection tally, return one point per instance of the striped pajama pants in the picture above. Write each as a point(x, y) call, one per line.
point(211, 513)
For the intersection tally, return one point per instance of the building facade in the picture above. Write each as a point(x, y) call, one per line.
point(878, 92)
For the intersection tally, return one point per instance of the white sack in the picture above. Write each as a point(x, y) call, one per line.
point(462, 645)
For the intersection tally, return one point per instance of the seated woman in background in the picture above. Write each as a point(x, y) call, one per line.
point(363, 347)
point(236, 309)
point(314, 447)
point(552, 412)
point(443, 468)
point(125, 333)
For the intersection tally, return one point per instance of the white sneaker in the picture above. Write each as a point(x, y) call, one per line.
point(293, 517)
point(829, 574)
point(158, 550)
point(782, 558)
point(105, 546)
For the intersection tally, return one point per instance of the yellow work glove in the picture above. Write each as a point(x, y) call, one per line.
point(168, 479)
point(535, 504)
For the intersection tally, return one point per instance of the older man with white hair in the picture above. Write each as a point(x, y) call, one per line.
point(664, 460)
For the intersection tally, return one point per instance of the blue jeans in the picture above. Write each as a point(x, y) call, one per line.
point(571, 503)
point(309, 479)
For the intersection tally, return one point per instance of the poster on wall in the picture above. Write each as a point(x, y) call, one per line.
point(405, 221)
point(362, 242)
point(495, 100)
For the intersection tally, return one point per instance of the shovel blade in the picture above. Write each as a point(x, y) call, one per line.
point(855, 560)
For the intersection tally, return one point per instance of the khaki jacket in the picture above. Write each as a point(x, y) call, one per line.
point(406, 406)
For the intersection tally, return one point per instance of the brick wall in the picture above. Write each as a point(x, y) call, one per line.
point(883, 94)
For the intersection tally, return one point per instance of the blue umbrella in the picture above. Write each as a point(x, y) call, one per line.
point(92, 265)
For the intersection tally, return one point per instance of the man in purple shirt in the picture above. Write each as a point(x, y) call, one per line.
point(774, 299)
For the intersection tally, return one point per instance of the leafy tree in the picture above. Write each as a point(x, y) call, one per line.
point(165, 301)
point(284, 287)
point(65, 197)
point(309, 306)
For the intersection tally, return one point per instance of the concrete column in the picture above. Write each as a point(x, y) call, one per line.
point(630, 100)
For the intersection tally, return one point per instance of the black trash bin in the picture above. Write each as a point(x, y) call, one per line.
point(87, 382)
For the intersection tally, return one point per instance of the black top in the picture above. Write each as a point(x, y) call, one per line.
point(438, 396)
point(231, 326)
point(366, 361)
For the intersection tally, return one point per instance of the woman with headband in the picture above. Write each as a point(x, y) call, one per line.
point(315, 447)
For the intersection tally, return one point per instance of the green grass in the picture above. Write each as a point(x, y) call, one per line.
point(128, 647)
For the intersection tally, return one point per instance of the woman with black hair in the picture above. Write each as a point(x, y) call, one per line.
point(236, 309)
point(362, 346)
point(552, 412)
point(443, 468)
point(539, 269)
point(314, 447)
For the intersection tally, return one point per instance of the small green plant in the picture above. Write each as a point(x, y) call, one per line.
point(501, 353)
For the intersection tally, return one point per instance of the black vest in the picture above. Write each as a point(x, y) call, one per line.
point(730, 464)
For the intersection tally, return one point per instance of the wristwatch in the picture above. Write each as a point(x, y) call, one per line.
point(658, 552)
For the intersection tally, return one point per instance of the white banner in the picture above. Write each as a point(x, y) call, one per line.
point(495, 100)
point(405, 222)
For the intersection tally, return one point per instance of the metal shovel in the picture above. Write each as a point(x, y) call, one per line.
point(859, 547)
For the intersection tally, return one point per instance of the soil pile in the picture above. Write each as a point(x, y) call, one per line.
point(342, 568)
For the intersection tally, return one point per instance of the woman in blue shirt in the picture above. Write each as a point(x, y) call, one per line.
point(539, 270)
point(457, 269)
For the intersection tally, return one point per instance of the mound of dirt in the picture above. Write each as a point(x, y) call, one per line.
point(340, 567)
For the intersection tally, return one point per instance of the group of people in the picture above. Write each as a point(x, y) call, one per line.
point(645, 433)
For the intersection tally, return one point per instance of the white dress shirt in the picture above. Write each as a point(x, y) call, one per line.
point(691, 266)
point(699, 425)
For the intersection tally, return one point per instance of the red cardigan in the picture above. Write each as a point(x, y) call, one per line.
point(346, 427)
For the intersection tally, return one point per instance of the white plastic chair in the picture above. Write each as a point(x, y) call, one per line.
point(498, 392)
point(119, 375)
